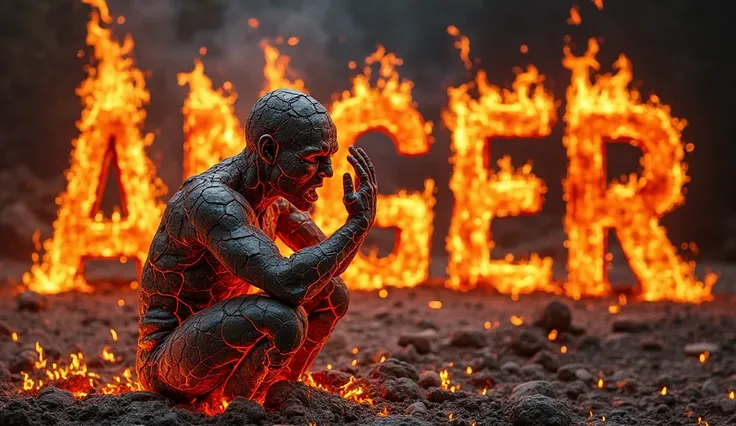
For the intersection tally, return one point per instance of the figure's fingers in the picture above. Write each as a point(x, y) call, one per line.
point(369, 166)
point(360, 171)
point(347, 184)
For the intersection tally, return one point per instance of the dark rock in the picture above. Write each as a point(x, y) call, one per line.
point(695, 349)
point(574, 389)
point(555, 316)
point(546, 359)
point(440, 395)
point(533, 371)
point(23, 361)
point(589, 343)
point(417, 408)
point(566, 373)
point(429, 379)
point(32, 301)
point(469, 338)
point(663, 380)
point(629, 325)
point(399, 421)
point(652, 344)
point(5, 330)
point(510, 367)
point(401, 389)
point(536, 387)
point(584, 375)
point(426, 324)
point(483, 379)
point(246, 410)
point(422, 340)
point(394, 368)
point(408, 354)
point(53, 397)
point(710, 387)
point(628, 386)
point(539, 410)
point(527, 343)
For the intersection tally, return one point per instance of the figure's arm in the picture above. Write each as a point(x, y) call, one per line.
point(224, 222)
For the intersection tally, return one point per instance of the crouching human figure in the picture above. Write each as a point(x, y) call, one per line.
point(202, 335)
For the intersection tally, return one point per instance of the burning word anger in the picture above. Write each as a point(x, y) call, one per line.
point(597, 113)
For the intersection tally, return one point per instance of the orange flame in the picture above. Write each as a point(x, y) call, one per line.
point(608, 110)
point(212, 132)
point(481, 194)
point(113, 96)
point(387, 107)
point(574, 18)
point(277, 70)
point(352, 390)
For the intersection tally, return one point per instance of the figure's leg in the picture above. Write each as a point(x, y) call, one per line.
point(323, 313)
point(236, 347)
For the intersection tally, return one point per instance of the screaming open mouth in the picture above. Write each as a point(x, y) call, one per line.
point(311, 195)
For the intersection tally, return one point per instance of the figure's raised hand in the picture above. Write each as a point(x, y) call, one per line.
point(360, 198)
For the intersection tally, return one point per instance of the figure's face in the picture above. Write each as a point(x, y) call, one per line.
point(303, 162)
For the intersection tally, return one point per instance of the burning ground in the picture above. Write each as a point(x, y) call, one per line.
point(416, 356)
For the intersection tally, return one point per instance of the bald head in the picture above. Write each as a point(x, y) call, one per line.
point(291, 117)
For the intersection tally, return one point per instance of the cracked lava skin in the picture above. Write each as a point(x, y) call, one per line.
point(202, 336)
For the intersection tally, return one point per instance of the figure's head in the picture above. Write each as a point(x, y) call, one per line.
point(294, 138)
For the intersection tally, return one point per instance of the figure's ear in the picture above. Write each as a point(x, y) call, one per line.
point(268, 148)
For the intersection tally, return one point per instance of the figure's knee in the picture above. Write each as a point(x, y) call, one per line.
point(288, 325)
point(340, 299)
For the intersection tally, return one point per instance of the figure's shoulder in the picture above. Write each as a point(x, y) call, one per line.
point(202, 193)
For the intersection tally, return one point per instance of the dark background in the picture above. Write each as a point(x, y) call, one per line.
point(681, 50)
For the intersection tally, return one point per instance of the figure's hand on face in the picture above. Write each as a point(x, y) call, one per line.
point(360, 199)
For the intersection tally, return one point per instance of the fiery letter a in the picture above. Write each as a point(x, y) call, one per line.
point(609, 112)
point(481, 194)
point(113, 96)
point(388, 107)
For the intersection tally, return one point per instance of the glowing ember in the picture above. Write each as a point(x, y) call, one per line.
point(480, 194)
point(600, 383)
point(462, 43)
point(352, 390)
point(387, 107)
point(614, 309)
point(212, 132)
point(517, 321)
point(608, 110)
point(704, 357)
point(113, 96)
point(663, 391)
point(598, 4)
point(383, 293)
point(435, 304)
point(563, 349)
point(731, 395)
point(574, 18)
point(552, 336)
point(74, 377)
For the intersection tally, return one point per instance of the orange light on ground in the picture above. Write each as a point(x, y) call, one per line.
point(608, 111)
point(212, 132)
point(386, 107)
point(481, 194)
point(113, 96)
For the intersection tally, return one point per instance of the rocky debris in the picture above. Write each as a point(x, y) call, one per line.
point(429, 379)
point(570, 372)
point(18, 224)
point(527, 343)
point(539, 410)
point(396, 369)
point(555, 316)
point(399, 421)
point(630, 325)
point(53, 397)
point(546, 359)
point(695, 349)
point(416, 409)
point(469, 338)
point(295, 402)
point(401, 389)
point(440, 395)
point(32, 301)
point(536, 387)
point(422, 340)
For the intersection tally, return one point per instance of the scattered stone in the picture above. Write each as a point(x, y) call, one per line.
point(469, 338)
point(53, 397)
point(663, 380)
point(555, 316)
point(429, 379)
point(574, 389)
point(652, 344)
point(584, 375)
point(408, 353)
point(440, 395)
point(695, 349)
point(539, 410)
point(483, 379)
point(394, 368)
point(336, 343)
point(566, 373)
point(426, 324)
point(399, 421)
point(510, 367)
point(416, 409)
point(23, 361)
point(727, 406)
point(710, 387)
point(422, 340)
point(533, 371)
point(32, 301)
point(629, 325)
point(527, 343)
point(488, 362)
point(662, 409)
point(589, 343)
point(401, 389)
point(536, 387)
point(546, 359)
point(628, 386)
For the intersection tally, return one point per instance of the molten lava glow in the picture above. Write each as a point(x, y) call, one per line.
point(480, 194)
point(574, 18)
point(75, 377)
point(607, 111)
point(387, 107)
point(352, 390)
point(113, 96)
point(277, 70)
point(212, 132)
